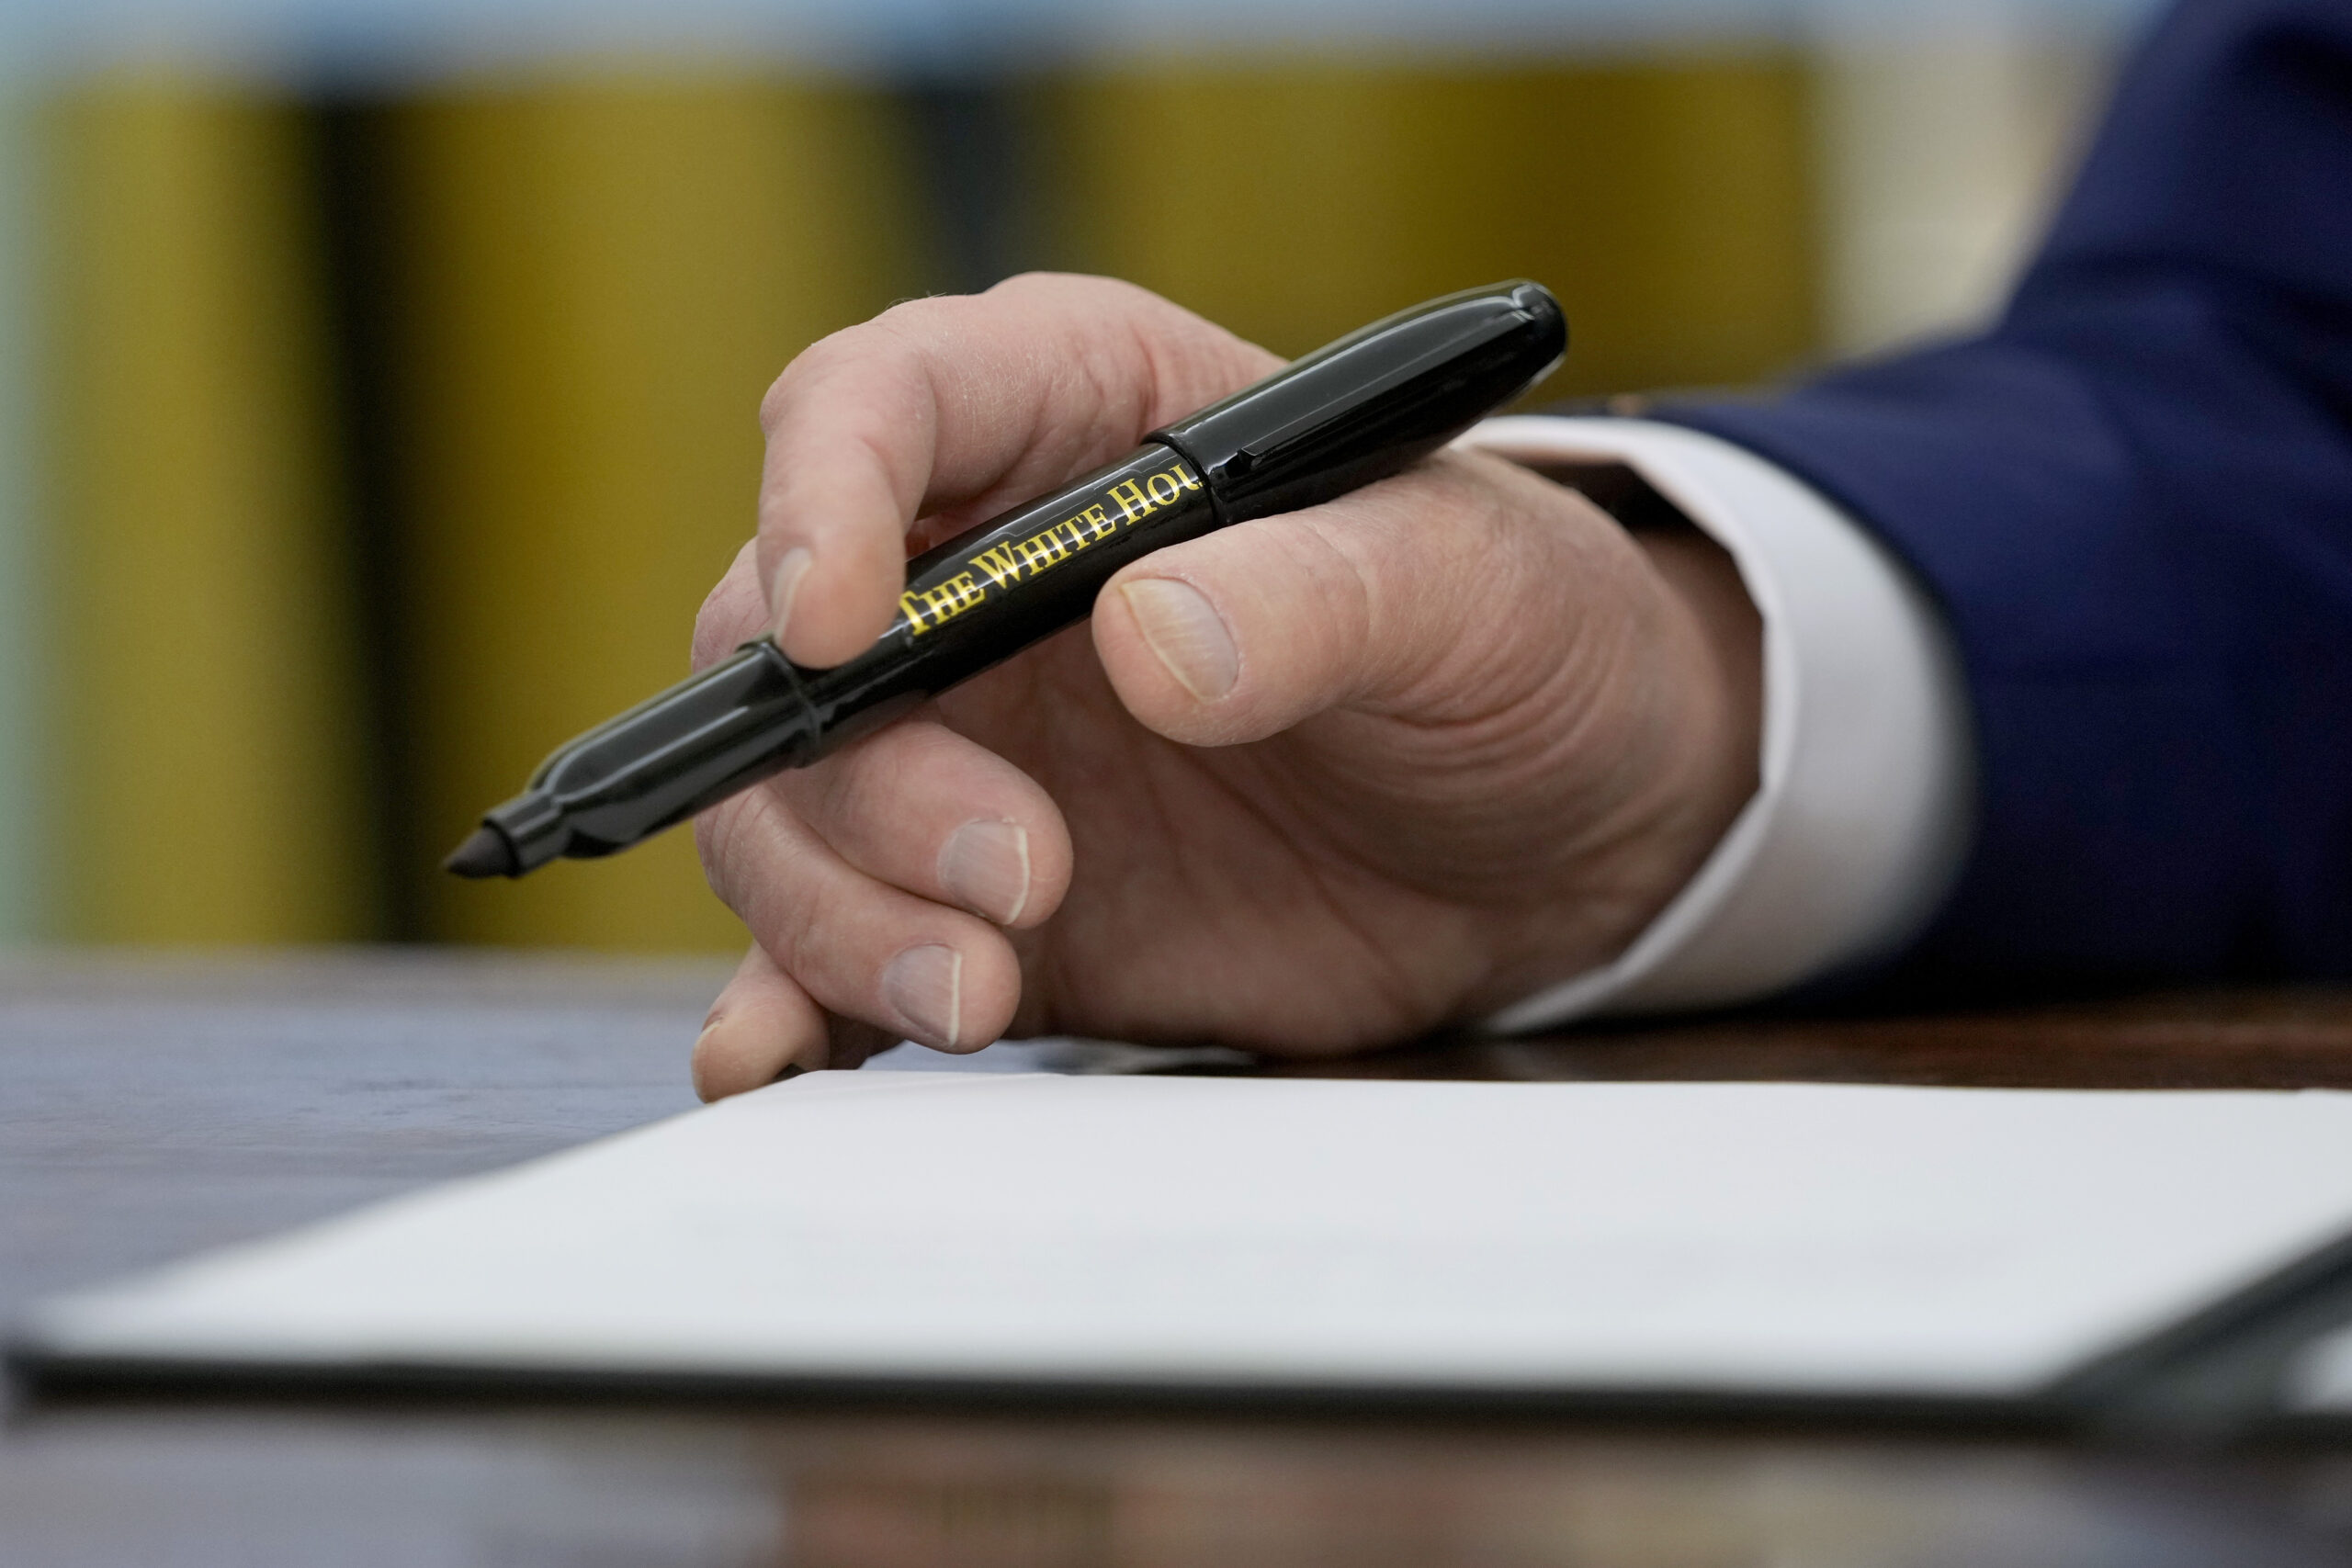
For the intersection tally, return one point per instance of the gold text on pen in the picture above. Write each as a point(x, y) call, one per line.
point(930, 605)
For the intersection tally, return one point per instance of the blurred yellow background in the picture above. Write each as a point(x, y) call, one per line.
point(367, 441)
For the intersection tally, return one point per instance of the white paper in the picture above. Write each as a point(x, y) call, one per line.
point(1735, 1239)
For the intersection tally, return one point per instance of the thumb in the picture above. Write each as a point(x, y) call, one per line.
point(1415, 596)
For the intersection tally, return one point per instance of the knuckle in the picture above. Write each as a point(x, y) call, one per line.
point(820, 362)
point(784, 392)
point(774, 401)
point(912, 330)
point(1049, 284)
point(738, 839)
point(1348, 598)
point(828, 797)
point(715, 838)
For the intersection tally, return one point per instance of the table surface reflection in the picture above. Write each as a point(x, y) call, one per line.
point(149, 1107)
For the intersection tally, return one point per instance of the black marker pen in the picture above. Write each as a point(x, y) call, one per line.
point(1356, 411)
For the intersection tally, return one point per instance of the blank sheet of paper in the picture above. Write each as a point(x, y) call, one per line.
point(1772, 1239)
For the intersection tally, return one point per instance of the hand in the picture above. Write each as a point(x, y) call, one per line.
point(1307, 784)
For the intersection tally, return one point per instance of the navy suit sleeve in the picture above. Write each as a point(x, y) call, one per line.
point(2133, 498)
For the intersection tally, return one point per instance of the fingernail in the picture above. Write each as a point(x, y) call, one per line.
point(925, 985)
point(985, 868)
point(785, 586)
point(703, 1059)
point(715, 1059)
point(1185, 631)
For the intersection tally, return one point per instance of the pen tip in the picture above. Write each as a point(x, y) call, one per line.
point(487, 854)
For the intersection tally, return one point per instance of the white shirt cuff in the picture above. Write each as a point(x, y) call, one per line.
point(1865, 798)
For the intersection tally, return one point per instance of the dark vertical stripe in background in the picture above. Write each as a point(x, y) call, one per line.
point(357, 224)
point(974, 146)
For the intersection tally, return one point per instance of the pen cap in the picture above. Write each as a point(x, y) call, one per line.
point(1364, 407)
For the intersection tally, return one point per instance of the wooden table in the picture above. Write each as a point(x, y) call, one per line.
point(151, 1107)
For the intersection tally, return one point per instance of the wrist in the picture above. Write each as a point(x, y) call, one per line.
point(1694, 694)
point(1862, 808)
point(1722, 635)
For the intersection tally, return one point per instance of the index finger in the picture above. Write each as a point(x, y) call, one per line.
point(964, 405)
